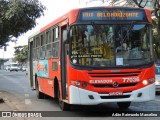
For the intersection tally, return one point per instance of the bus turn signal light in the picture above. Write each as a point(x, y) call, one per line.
point(79, 84)
point(76, 83)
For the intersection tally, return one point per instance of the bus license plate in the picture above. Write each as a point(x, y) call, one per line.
point(115, 93)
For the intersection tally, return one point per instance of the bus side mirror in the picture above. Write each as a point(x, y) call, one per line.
point(65, 36)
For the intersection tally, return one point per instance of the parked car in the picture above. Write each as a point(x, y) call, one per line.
point(19, 68)
point(13, 67)
point(157, 76)
point(24, 68)
point(7, 67)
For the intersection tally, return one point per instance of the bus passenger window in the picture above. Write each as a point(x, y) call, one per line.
point(55, 49)
point(48, 51)
point(43, 51)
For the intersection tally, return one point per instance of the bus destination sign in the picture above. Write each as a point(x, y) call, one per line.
point(112, 14)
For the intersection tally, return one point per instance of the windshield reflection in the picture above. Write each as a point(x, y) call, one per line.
point(110, 45)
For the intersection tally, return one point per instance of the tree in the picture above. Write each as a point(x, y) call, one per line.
point(156, 21)
point(21, 54)
point(142, 4)
point(155, 10)
point(17, 17)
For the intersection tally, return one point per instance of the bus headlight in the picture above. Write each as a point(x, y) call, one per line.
point(79, 84)
point(145, 82)
point(84, 85)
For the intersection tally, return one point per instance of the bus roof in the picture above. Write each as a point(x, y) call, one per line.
point(75, 12)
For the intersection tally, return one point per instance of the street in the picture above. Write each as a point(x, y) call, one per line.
point(15, 89)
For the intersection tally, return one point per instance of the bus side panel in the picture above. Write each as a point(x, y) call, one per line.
point(46, 77)
point(42, 73)
point(54, 68)
point(46, 86)
point(53, 73)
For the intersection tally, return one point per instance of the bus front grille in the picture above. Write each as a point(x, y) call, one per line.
point(115, 97)
point(111, 86)
point(113, 74)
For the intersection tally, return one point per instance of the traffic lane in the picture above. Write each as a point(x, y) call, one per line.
point(18, 84)
point(14, 82)
point(143, 106)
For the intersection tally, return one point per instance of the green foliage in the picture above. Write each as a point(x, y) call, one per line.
point(155, 20)
point(21, 54)
point(17, 17)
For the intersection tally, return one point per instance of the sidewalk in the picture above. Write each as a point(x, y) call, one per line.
point(4, 106)
point(4, 102)
point(9, 103)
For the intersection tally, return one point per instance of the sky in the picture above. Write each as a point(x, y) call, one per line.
point(55, 9)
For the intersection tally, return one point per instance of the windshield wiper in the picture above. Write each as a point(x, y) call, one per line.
point(94, 26)
point(129, 29)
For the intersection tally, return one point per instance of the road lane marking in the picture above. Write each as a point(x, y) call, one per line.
point(27, 101)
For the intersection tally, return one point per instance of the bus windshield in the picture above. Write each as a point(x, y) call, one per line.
point(111, 45)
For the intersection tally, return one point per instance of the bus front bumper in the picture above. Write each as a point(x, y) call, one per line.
point(86, 97)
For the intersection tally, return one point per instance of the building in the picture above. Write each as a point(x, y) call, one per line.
point(5, 62)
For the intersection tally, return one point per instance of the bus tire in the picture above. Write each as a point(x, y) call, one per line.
point(64, 106)
point(39, 94)
point(123, 105)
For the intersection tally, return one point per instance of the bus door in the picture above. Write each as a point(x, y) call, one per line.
point(64, 50)
point(30, 74)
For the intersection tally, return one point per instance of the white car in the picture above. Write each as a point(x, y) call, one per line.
point(13, 67)
point(7, 68)
point(24, 68)
point(157, 76)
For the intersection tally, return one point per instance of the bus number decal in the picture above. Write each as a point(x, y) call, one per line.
point(131, 80)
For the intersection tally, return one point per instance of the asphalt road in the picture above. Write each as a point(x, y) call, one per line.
point(16, 87)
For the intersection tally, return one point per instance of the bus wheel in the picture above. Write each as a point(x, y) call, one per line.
point(39, 94)
point(64, 106)
point(123, 105)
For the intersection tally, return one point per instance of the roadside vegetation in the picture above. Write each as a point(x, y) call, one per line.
point(17, 17)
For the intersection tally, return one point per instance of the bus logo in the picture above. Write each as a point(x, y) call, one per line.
point(115, 84)
point(100, 81)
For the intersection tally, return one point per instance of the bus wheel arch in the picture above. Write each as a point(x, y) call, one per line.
point(56, 87)
point(63, 105)
point(39, 94)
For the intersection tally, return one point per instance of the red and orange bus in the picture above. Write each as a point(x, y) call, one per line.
point(94, 55)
